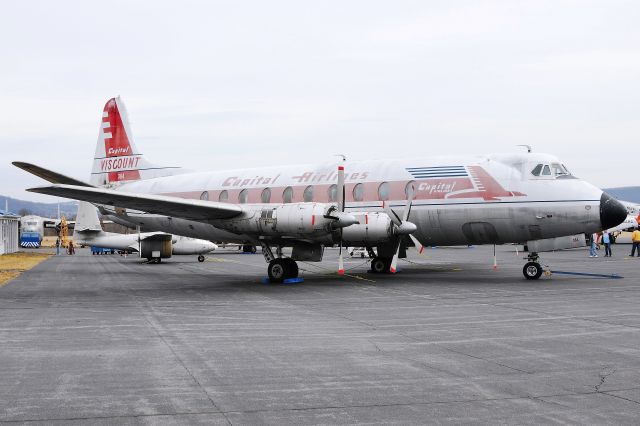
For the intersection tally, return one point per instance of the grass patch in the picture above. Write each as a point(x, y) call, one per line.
point(12, 265)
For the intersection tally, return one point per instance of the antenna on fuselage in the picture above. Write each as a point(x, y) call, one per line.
point(529, 149)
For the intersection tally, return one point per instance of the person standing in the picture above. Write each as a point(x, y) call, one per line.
point(57, 246)
point(606, 240)
point(635, 240)
point(592, 250)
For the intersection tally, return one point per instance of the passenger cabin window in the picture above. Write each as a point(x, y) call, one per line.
point(224, 196)
point(287, 194)
point(205, 196)
point(243, 196)
point(410, 189)
point(265, 197)
point(383, 191)
point(307, 195)
point(358, 192)
point(332, 193)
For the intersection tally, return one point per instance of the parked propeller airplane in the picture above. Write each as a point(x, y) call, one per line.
point(503, 198)
point(152, 245)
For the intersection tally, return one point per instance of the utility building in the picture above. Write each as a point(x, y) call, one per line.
point(8, 232)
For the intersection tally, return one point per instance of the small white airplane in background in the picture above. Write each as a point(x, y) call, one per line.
point(631, 221)
point(151, 245)
point(383, 205)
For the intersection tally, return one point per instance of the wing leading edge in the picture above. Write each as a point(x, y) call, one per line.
point(199, 210)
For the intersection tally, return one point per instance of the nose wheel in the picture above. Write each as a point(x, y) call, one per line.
point(200, 258)
point(532, 270)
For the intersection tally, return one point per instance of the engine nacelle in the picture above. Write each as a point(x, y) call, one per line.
point(304, 220)
point(185, 245)
point(374, 228)
point(156, 248)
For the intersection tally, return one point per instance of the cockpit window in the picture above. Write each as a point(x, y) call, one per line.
point(559, 170)
point(546, 171)
point(536, 171)
point(551, 171)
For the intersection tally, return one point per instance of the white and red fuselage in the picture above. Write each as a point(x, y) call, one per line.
point(457, 200)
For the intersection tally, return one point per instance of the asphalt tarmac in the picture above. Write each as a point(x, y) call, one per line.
point(448, 340)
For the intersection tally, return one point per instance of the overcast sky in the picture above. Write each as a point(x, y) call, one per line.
point(213, 85)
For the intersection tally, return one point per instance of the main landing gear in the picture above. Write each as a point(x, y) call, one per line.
point(380, 265)
point(200, 258)
point(532, 269)
point(281, 268)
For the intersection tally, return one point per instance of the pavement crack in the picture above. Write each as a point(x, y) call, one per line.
point(606, 372)
point(485, 359)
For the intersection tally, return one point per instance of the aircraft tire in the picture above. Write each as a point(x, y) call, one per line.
point(380, 265)
point(277, 270)
point(532, 270)
point(200, 258)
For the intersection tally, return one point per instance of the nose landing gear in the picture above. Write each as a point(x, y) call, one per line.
point(532, 269)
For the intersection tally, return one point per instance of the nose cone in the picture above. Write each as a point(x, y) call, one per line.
point(612, 211)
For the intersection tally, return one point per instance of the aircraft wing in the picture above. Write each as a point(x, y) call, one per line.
point(159, 204)
point(49, 175)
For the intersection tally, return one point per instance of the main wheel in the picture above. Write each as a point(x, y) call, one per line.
point(277, 270)
point(532, 270)
point(201, 258)
point(380, 265)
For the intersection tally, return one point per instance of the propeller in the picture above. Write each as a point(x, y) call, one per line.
point(402, 227)
point(341, 196)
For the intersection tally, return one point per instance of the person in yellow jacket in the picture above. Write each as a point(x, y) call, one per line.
point(635, 240)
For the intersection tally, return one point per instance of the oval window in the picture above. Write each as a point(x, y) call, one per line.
point(383, 191)
point(224, 196)
point(205, 196)
point(287, 195)
point(332, 193)
point(358, 192)
point(308, 194)
point(410, 189)
point(243, 196)
point(265, 197)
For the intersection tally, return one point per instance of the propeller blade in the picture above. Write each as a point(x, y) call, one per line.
point(394, 262)
point(340, 259)
point(419, 247)
point(394, 217)
point(341, 190)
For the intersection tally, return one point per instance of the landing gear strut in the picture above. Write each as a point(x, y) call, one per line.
point(532, 269)
point(380, 265)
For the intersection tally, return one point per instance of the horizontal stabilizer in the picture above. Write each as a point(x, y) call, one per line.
point(199, 210)
point(49, 175)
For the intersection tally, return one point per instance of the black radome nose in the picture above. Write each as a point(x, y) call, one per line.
point(612, 211)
